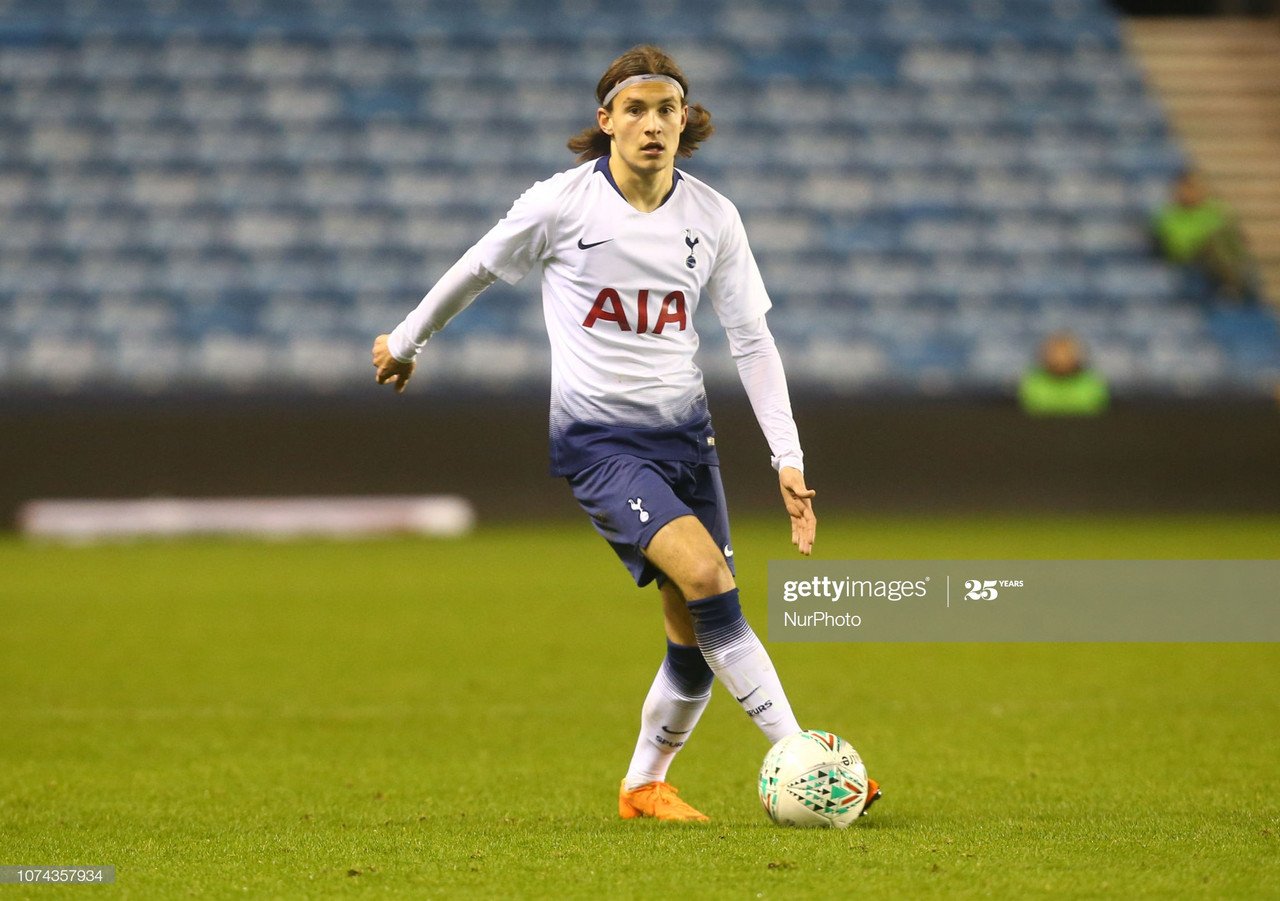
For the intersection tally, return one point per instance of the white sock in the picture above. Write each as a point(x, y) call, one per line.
point(740, 662)
point(675, 701)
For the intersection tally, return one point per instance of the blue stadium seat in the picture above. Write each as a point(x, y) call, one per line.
point(193, 273)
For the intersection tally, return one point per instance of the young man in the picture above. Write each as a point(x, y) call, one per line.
point(627, 246)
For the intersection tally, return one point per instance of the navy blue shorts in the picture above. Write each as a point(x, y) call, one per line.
point(629, 499)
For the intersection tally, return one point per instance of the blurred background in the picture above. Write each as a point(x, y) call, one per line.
point(209, 209)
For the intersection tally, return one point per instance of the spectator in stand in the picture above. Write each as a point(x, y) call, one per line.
point(1061, 384)
point(1196, 229)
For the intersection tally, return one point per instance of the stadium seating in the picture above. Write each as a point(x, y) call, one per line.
point(245, 198)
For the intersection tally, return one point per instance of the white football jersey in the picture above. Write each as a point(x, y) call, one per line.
point(619, 289)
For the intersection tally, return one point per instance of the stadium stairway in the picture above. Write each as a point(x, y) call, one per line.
point(1220, 80)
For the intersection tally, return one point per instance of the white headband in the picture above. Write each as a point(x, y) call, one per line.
point(640, 79)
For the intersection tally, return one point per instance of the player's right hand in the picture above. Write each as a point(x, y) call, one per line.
point(389, 369)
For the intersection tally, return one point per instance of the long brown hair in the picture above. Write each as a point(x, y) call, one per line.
point(645, 59)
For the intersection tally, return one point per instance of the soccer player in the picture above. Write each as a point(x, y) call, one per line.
point(628, 246)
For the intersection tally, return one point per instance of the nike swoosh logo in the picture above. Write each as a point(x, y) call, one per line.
point(674, 732)
point(582, 246)
point(748, 694)
point(728, 551)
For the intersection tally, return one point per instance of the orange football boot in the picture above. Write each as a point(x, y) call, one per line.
point(659, 800)
point(873, 795)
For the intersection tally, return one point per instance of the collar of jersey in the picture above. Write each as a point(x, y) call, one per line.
point(602, 165)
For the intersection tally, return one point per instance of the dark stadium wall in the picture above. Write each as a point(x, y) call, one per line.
point(889, 457)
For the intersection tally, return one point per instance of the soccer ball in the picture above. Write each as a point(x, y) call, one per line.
point(813, 778)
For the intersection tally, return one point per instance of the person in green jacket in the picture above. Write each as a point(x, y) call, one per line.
point(1061, 384)
point(1196, 229)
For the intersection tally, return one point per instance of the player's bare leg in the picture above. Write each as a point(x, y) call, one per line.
point(685, 551)
point(676, 618)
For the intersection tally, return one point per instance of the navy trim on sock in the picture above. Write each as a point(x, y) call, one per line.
point(718, 622)
point(720, 611)
point(687, 669)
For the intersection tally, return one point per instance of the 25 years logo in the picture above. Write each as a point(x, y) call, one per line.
point(987, 589)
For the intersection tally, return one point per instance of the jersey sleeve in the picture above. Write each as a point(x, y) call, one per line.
point(451, 295)
point(737, 291)
point(523, 237)
point(760, 368)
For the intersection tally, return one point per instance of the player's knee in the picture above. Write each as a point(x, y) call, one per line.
point(707, 577)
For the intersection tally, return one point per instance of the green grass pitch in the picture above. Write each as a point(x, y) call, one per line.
point(414, 718)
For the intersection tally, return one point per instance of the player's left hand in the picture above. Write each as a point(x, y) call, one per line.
point(389, 368)
point(799, 502)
